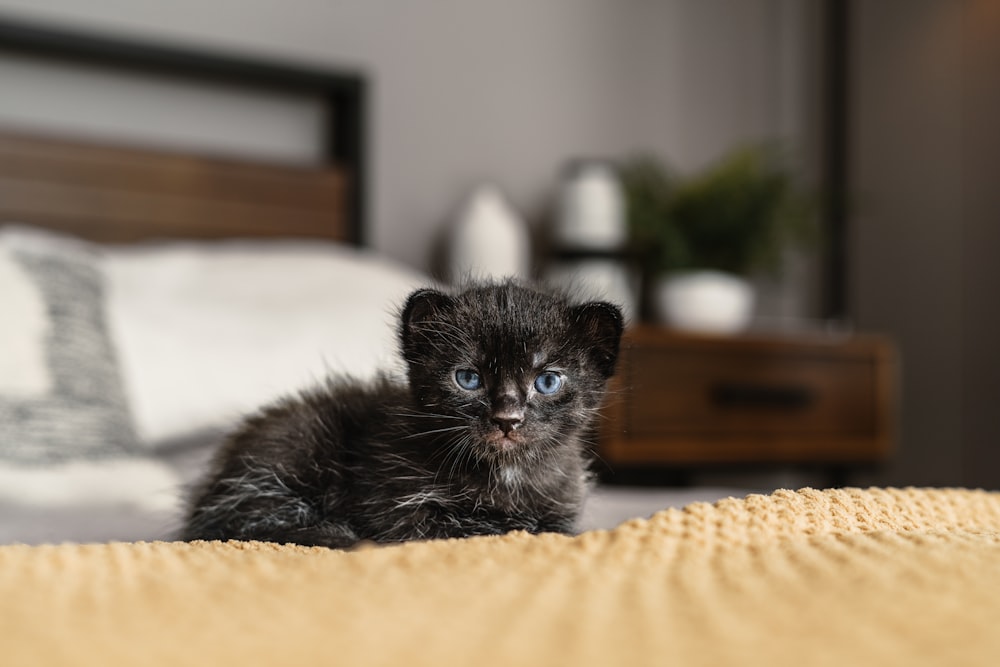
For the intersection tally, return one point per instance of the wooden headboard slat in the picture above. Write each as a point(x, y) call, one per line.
point(311, 191)
point(117, 194)
point(78, 163)
point(132, 216)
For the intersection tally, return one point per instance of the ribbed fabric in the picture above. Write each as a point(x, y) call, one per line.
point(840, 577)
point(84, 415)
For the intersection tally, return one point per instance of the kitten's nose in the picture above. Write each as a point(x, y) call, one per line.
point(507, 422)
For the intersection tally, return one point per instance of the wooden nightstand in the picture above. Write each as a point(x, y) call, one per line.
point(685, 400)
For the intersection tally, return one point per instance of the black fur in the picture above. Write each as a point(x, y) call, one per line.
point(384, 462)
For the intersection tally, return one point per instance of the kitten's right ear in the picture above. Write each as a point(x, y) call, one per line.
point(422, 309)
point(600, 325)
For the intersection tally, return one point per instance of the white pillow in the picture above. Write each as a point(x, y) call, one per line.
point(207, 331)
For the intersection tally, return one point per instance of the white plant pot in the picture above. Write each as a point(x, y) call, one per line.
point(705, 301)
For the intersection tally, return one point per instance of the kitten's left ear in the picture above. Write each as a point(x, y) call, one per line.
point(421, 309)
point(600, 325)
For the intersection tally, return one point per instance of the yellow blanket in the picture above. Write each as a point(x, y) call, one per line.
point(842, 577)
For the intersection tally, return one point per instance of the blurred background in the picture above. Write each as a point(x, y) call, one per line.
point(890, 106)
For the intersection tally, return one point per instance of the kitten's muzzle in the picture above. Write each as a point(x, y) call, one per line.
point(508, 409)
point(508, 421)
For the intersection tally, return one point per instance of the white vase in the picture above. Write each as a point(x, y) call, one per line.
point(489, 240)
point(705, 301)
point(591, 208)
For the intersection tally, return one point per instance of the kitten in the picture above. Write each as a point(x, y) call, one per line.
point(488, 437)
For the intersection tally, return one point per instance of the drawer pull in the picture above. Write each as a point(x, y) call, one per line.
point(736, 395)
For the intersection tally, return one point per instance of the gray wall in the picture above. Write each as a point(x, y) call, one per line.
point(926, 234)
point(467, 91)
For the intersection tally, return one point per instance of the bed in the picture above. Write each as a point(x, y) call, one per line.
point(152, 297)
point(154, 294)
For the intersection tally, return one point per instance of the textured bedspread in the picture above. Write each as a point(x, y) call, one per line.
point(844, 577)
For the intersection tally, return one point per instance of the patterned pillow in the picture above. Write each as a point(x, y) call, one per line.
point(60, 395)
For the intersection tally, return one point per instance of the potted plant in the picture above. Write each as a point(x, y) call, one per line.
point(700, 238)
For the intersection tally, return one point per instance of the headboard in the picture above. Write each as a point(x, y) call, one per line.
point(115, 193)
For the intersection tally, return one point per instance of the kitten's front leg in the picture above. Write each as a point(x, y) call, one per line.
point(565, 525)
point(547, 523)
point(447, 523)
point(331, 535)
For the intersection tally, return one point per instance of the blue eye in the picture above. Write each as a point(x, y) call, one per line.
point(548, 382)
point(468, 379)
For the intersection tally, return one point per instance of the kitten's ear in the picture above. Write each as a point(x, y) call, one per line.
point(599, 326)
point(422, 308)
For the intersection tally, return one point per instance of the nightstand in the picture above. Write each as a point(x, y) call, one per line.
point(686, 401)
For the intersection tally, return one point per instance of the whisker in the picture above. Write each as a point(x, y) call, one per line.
point(432, 431)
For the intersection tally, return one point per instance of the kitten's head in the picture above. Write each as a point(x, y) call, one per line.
point(515, 371)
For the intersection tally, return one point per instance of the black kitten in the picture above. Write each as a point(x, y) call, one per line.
point(504, 382)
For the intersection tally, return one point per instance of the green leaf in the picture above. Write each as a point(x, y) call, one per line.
point(737, 216)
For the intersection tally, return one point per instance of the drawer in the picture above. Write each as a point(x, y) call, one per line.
point(686, 400)
point(675, 391)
